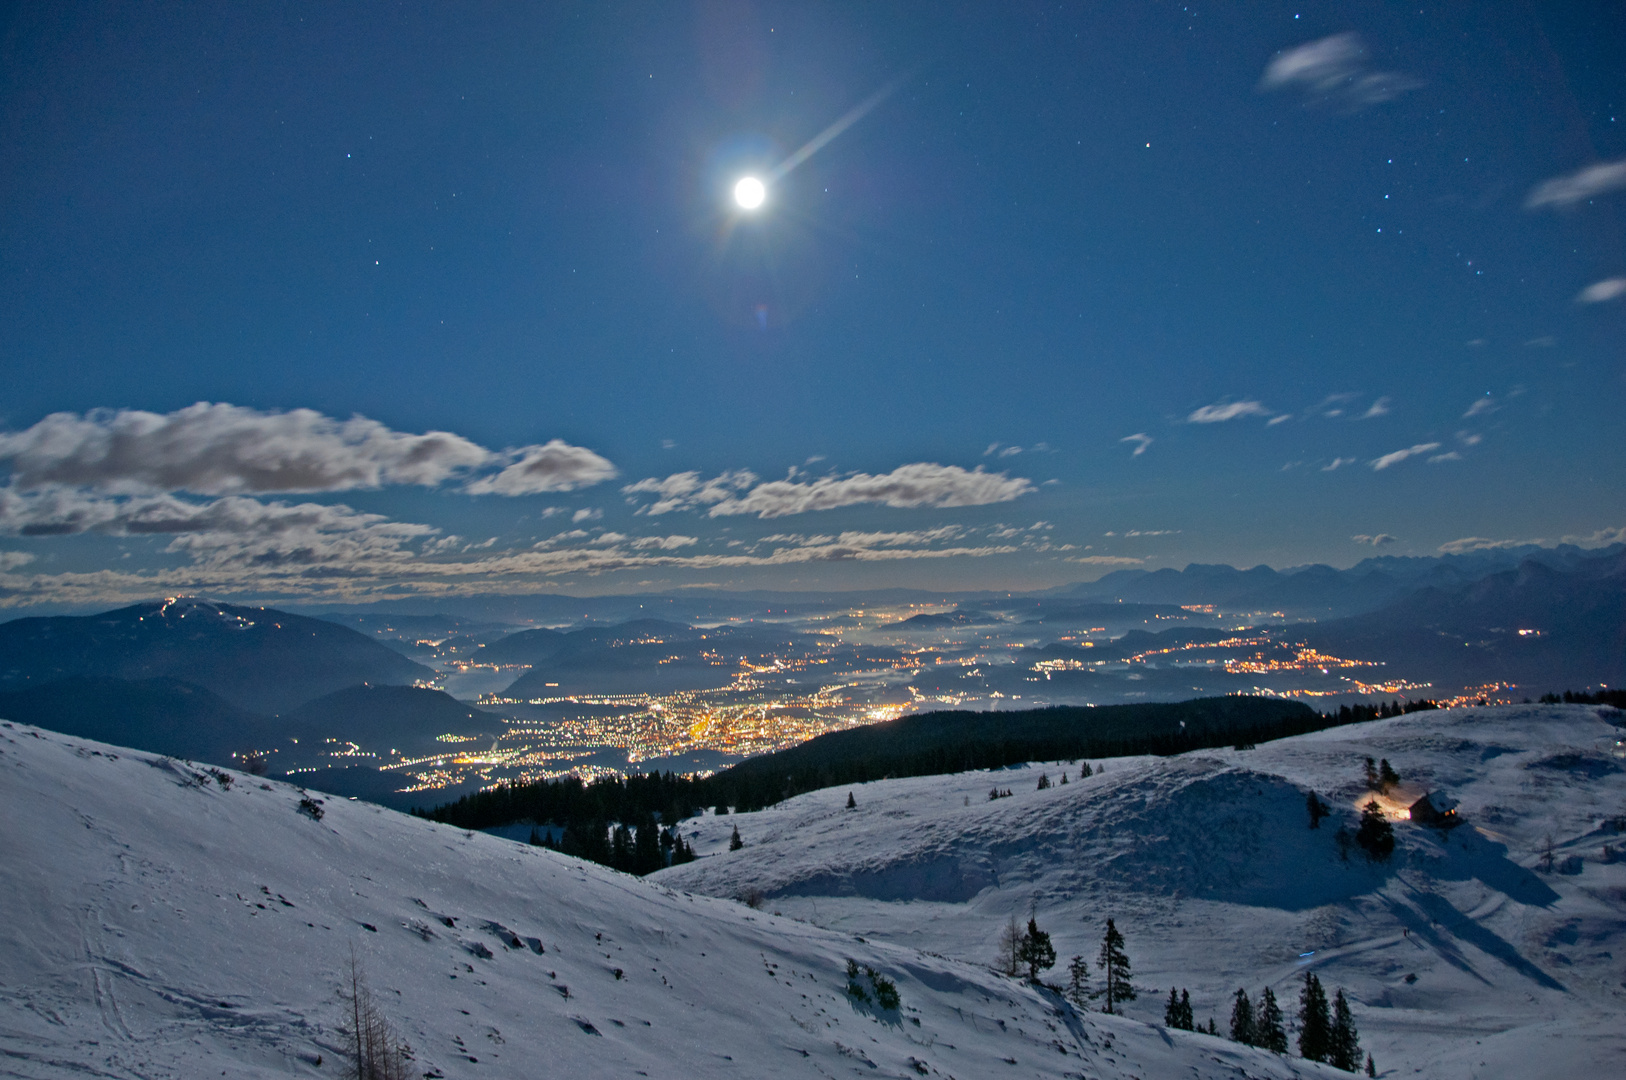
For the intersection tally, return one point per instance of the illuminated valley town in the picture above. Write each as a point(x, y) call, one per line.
point(659, 696)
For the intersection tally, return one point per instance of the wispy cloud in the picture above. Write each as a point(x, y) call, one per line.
point(223, 449)
point(1578, 187)
point(1480, 406)
point(587, 513)
point(922, 484)
point(1004, 451)
point(1380, 407)
point(1478, 543)
point(1379, 540)
point(11, 560)
point(1601, 291)
point(1226, 410)
point(1600, 538)
point(1141, 441)
point(1337, 463)
point(1397, 456)
point(1334, 71)
point(1449, 455)
point(1104, 560)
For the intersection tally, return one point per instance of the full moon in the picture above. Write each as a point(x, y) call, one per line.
point(749, 193)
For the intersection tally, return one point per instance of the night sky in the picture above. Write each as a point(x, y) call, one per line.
point(319, 302)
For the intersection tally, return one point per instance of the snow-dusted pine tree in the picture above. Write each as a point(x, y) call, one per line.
point(1267, 1024)
point(1114, 965)
point(1036, 953)
point(1242, 1019)
point(1078, 975)
point(1344, 1046)
point(1315, 1024)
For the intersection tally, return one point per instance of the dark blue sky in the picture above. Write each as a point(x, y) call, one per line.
point(1270, 246)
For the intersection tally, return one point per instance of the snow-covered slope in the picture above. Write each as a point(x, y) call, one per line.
point(155, 924)
point(1463, 956)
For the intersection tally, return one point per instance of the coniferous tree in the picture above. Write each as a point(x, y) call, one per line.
point(1387, 777)
point(1344, 1046)
point(1177, 1012)
point(1267, 1024)
point(734, 842)
point(1242, 1019)
point(1376, 836)
point(1371, 775)
point(621, 848)
point(681, 851)
point(1317, 809)
point(1315, 1024)
point(1036, 953)
point(1114, 965)
point(852, 804)
point(1064, 776)
point(1084, 771)
point(646, 847)
point(1044, 781)
point(1078, 973)
point(1371, 1068)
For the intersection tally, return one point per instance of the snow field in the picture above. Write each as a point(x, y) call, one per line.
point(1460, 954)
point(153, 923)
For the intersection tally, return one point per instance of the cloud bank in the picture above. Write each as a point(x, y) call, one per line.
point(222, 449)
point(922, 484)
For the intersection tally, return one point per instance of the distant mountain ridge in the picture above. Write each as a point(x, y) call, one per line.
point(259, 659)
point(1540, 627)
point(1320, 591)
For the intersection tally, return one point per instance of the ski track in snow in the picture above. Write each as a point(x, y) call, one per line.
point(153, 924)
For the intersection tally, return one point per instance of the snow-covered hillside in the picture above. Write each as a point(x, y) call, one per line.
point(1463, 955)
point(155, 924)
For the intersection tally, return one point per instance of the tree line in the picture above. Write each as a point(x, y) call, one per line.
point(1327, 1031)
point(590, 814)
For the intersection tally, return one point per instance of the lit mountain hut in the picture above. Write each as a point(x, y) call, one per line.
point(1435, 808)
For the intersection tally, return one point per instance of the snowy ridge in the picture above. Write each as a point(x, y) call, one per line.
point(153, 923)
point(1463, 955)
